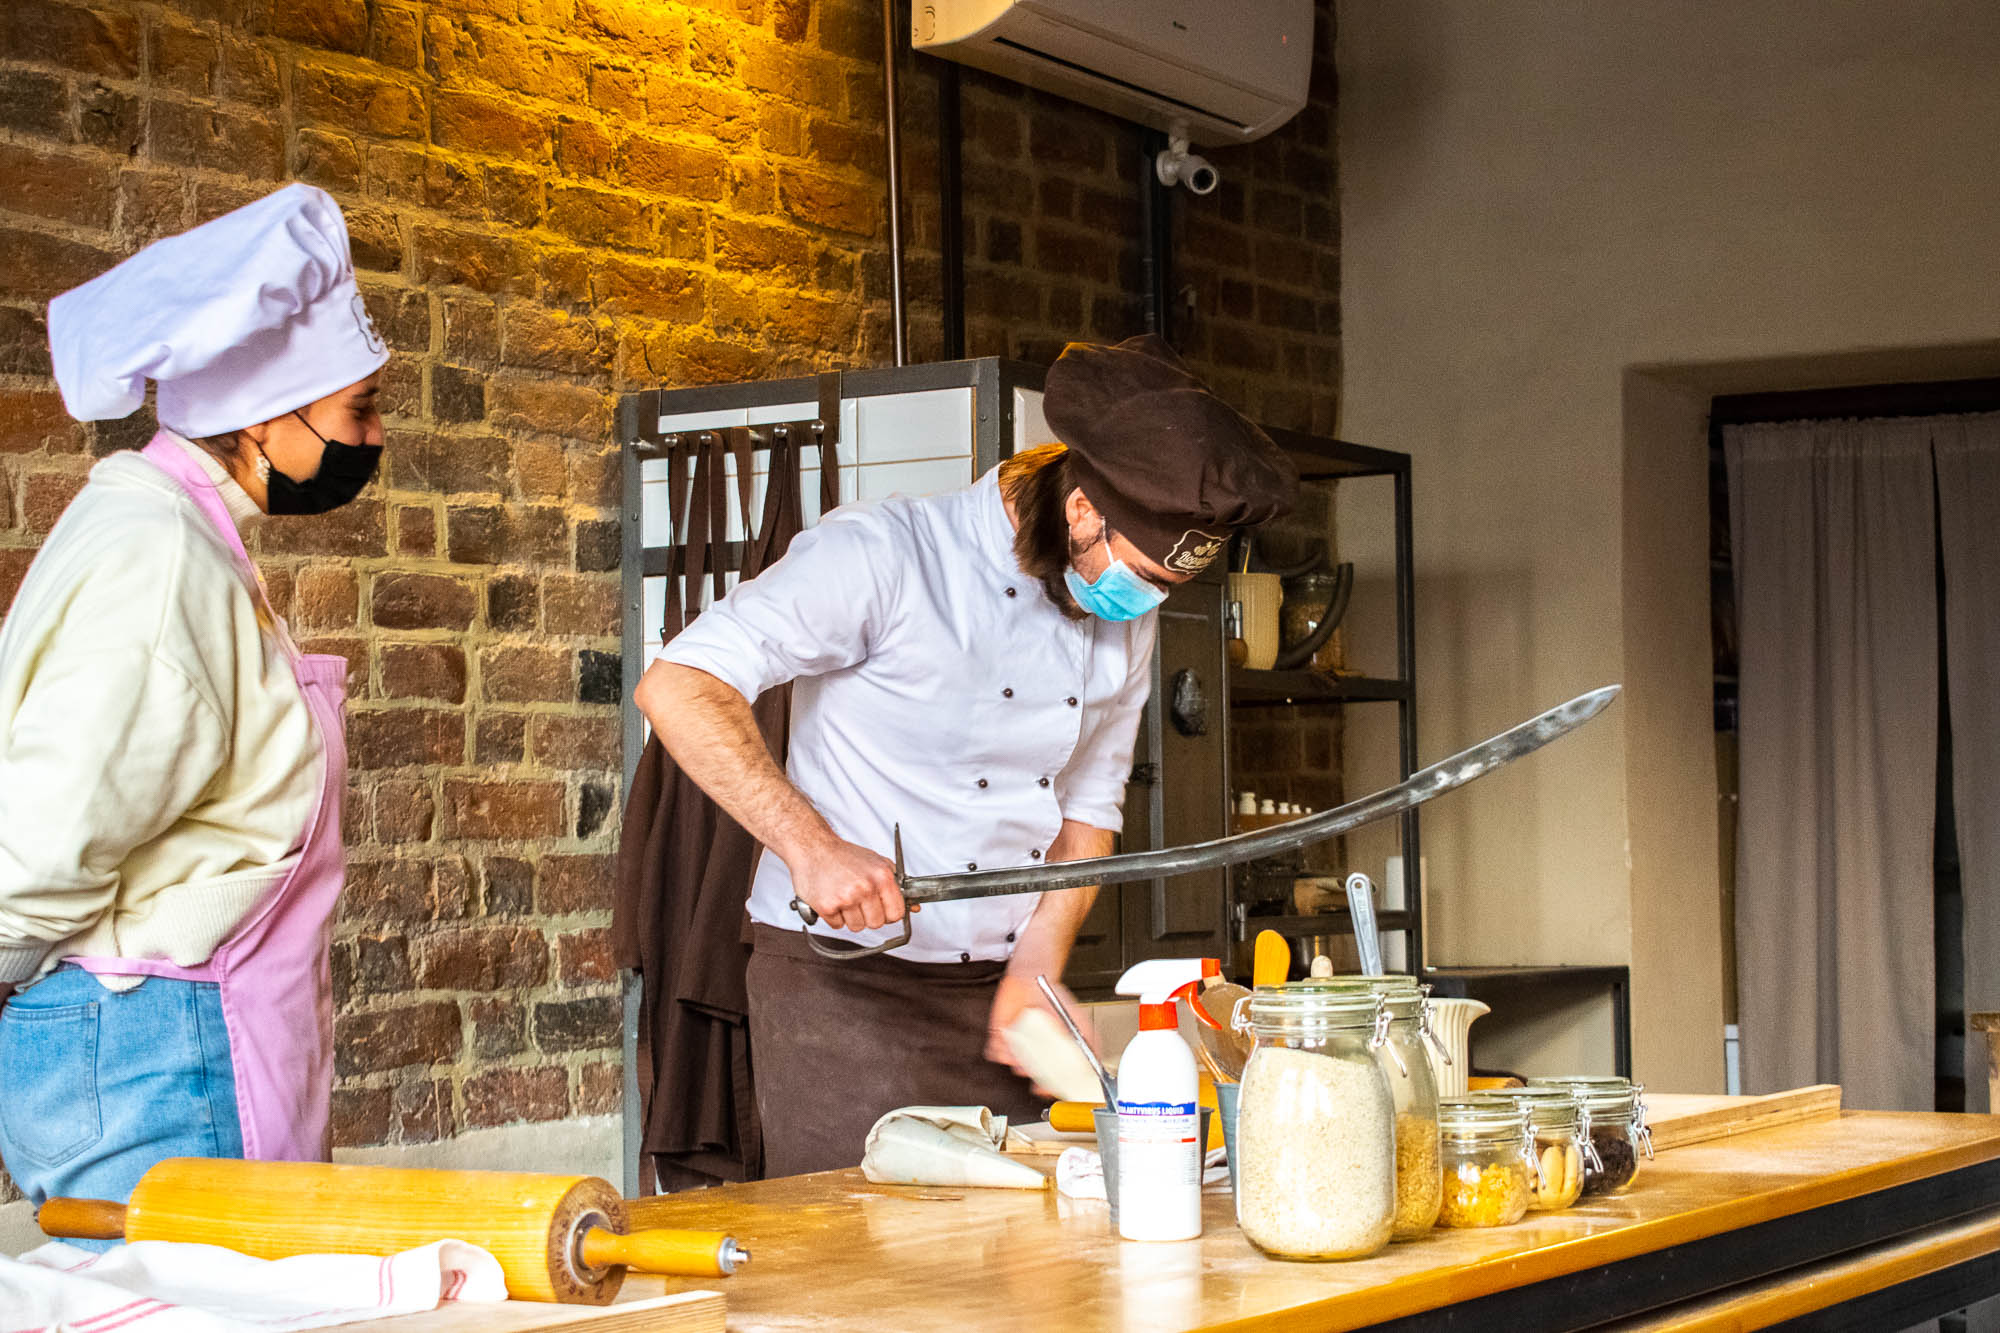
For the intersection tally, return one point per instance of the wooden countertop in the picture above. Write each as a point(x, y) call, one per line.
point(832, 1251)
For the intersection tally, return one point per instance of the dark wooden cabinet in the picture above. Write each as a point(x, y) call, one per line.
point(1179, 793)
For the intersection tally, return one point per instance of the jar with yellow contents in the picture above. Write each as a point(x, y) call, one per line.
point(1563, 1149)
point(1490, 1172)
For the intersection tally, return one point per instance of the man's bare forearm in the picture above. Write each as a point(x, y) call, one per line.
point(1051, 932)
point(709, 730)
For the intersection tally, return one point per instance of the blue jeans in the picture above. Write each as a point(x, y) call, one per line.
point(97, 1085)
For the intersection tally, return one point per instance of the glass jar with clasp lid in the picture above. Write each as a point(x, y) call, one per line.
point(1316, 1124)
point(1408, 1069)
point(1618, 1132)
point(1563, 1148)
point(1487, 1149)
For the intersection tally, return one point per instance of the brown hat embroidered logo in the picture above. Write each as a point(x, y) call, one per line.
point(1194, 552)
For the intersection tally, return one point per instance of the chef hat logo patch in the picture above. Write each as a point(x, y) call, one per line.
point(1194, 552)
point(368, 333)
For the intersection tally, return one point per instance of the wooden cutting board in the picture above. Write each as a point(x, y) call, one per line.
point(1680, 1118)
point(687, 1312)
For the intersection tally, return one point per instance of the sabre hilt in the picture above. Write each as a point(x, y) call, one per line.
point(848, 952)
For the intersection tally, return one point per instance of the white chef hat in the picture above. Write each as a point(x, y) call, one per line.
point(241, 320)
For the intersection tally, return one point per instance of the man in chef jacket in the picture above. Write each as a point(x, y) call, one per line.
point(969, 667)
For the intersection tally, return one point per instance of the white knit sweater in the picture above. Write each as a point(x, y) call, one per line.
point(157, 760)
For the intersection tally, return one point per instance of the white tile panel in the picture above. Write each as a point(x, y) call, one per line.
point(763, 416)
point(1030, 426)
point(880, 480)
point(937, 423)
point(673, 421)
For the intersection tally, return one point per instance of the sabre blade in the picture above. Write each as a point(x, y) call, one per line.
point(1446, 775)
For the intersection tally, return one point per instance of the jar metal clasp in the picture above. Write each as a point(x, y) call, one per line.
point(1534, 1158)
point(1379, 1038)
point(1431, 1038)
point(1584, 1138)
point(1641, 1132)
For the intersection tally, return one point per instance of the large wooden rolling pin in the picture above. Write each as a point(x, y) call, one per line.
point(558, 1238)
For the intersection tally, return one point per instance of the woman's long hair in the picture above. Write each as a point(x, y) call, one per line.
point(1037, 484)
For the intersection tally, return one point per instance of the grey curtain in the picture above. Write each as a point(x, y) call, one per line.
point(1834, 553)
point(1968, 478)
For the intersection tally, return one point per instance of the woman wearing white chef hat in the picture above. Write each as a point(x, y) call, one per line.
point(171, 766)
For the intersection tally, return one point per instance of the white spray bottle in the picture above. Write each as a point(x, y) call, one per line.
point(1159, 1118)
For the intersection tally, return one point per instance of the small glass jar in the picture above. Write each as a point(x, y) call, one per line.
point(1617, 1128)
point(1316, 1126)
point(1563, 1149)
point(1306, 600)
point(1419, 1179)
point(1490, 1170)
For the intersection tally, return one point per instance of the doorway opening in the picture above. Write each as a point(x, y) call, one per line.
point(1937, 398)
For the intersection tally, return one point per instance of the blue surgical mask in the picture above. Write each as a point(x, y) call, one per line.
point(1118, 594)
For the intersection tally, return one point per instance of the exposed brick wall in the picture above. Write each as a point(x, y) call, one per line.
point(553, 201)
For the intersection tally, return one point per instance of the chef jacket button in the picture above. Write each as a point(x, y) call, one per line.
point(982, 783)
point(1010, 592)
point(1010, 937)
point(1041, 782)
point(1071, 701)
point(1007, 693)
point(972, 865)
point(1034, 856)
point(965, 958)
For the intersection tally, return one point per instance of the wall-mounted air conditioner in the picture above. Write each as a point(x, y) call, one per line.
point(1221, 71)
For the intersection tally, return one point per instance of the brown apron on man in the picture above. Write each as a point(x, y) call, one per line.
point(839, 1043)
point(684, 867)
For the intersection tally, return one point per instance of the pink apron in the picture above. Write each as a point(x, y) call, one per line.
point(273, 971)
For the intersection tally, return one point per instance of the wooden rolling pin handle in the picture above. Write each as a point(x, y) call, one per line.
point(1073, 1117)
point(663, 1250)
point(82, 1219)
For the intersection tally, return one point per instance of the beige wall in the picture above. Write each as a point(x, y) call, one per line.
point(1564, 227)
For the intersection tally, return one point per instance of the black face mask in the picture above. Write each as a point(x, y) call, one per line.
point(343, 470)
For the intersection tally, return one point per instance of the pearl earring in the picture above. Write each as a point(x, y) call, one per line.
point(263, 468)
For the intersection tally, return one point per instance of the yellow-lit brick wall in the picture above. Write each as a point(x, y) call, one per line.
point(553, 201)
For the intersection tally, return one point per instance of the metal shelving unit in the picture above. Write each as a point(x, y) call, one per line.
point(1320, 459)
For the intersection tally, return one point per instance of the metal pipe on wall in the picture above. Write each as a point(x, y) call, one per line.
point(951, 213)
point(1156, 237)
point(892, 113)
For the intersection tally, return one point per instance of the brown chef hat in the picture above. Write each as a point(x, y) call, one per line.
point(1168, 464)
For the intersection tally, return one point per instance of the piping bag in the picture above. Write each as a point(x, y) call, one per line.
point(945, 1145)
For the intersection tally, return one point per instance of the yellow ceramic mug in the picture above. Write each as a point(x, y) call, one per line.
point(1261, 596)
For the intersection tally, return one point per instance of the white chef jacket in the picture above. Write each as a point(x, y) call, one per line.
point(937, 688)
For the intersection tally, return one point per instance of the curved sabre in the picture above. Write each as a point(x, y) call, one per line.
point(1446, 775)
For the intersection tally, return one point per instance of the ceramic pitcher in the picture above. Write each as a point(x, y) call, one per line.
point(1451, 1022)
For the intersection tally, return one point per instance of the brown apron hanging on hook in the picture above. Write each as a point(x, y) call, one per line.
point(684, 867)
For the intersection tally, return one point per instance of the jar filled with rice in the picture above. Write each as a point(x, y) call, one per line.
point(1316, 1126)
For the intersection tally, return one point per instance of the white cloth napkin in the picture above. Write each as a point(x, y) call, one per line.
point(1080, 1173)
point(156, 1286)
